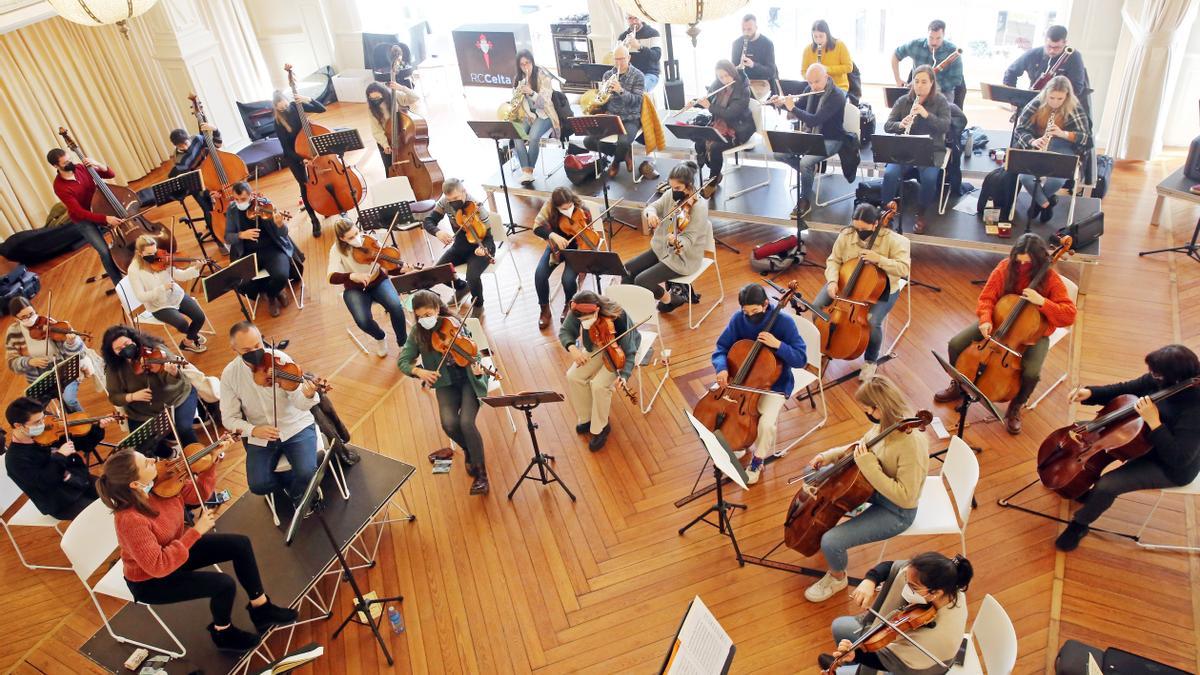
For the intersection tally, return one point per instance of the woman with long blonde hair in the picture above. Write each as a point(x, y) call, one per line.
point(1054, 121)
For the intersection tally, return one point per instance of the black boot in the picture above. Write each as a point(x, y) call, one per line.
point(268, 615)
point(233, 638)
point(347, 454)
point(1012, 416)
point(316, 223)
point(1069, 540)
point(480, 486)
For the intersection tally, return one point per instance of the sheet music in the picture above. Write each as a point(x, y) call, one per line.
point(1093, 668)
point(720, 455)
point(701, 646)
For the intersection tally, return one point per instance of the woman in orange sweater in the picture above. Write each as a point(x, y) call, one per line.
point(834, 55)
point(1028, 257)
point(164, 561)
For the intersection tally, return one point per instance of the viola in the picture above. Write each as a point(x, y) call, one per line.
point(680, 216)
point(332, 186)
point(860, 285)
point(832, 491)
point(1072, 458)
point(53, 329)
point(387, 258)
point(408, 140)
point(77, 424)
point(175, 473)
point(273, 371)
point(732, 410)
point(883, 634)
point(163, 261)
point(994, 363)
point(603, 335)
point(219, 170)
point(152, 360)
point(452, 342)
point(261, 208)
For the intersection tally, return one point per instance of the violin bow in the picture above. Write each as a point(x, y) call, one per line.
point(600, 350)
point(274, 384)
point(379, 250)
point(171, 251)
point(904, 635)
point(182, 456)
point(797, 302)
point(62, 409)
point(597, 219)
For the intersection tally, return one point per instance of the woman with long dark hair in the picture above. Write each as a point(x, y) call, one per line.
point(674, 251)
point(563, 205)
point(364, 285)
point(537, 111)
point(829, 52)
point(287, 128)
point(144, 394)
point(379, 102)
point(923, 111)
point(731, 114)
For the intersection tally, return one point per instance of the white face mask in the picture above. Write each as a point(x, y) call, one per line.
point(357, 241)
point(148, 487)
point(912, 597)
point(567, 210)
point(428, 322)
point(29, 320)
point(36, 429)
point(588, 322)
point(242, 206)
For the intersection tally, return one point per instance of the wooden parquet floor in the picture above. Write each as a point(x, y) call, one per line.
point(541, 584)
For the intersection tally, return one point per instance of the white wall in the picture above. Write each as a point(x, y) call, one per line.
point(1183, 115)
point(293, 31)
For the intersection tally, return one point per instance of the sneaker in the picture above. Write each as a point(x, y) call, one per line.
point(268, 615)
point(200, 339)
point(461, 289)
point(381, 348)
point(867, 371)
point(233, 639)
point(527, 177)
point(672, 304)
point(754, 471)
point(1069, 540)
point(825, 588)
point(192, 346)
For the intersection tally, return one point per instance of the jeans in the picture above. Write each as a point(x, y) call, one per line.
point(301, 453)
point(848, 628)
point(187, 583)
point(91, 234)
point(712, 154)
point(876, 317)
point(883, 520)
point(646, 271)
point(457, 406)
point(807, 166)
point(1031, 361)
point(70, 397)
point(185, 419)
point(927, 175)
point(649, 82)
point(1142, 473)
point(384, 293)
point(624, 142)
point(527, 151)
point(541, 279)
point(188, 319)
point(462, 252)
point(1041, 189)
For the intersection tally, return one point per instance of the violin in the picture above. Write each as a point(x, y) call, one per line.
point(218, 168)
point(860, 285)
point(163, 261)
point(58, 331)
point(1072, 458)
point(579, 230)
point(603, 335)
point(882, 634)
point(467, 219)
point(832, 491)
point(994, 363)
point(273, 371)
point(386, 258)
point(683, 209)
point(262, 209)
point(332, 186)
point(78, 424)
point(408, 140)
point(732, 410)
point(452, 342)
point(175, 473)
point(152, 360)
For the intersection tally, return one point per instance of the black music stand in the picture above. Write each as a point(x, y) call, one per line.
point(601, 126)
point(501, 130)
point(233, 278)
point(1043, 164)
point(49, 384)
point(596, 263)
point(424, 278)
point(384, 216)
point(1014, 96)
point(800, 144)
point(724, 464)
point(339, 143)
point(594, 72)
point(1190, 249)
point(695, 133)
point(902, 149)
point(526, 402)
point(970, 394)
point(893, 94)
point(177, 189)
point(152, 431)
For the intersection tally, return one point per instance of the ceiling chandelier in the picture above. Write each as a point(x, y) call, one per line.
point(690, 12)
point(101, 12)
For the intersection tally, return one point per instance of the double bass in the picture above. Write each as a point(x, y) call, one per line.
point(1072, 458)
point(408, 141)
point(994, 363)
point(860, 285)
point(219, 171)
point(332, 187)
point(732, 410)
point(121, 203)
point(831, 491)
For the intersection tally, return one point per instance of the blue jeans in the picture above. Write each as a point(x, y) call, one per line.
point(1040, 189)
point(301, 452)
point(876, 317)
point(70, 397)
point(649, 82)
point(384, 293)
point(927, 175)
point(883, 520)
point(541, 279)
point(91, 234)
point(527, 150)
point(807, 165)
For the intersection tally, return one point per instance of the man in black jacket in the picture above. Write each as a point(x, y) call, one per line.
point(189, 153)
point(1034, 63)
point(1173, 424)
point(55, 479)
point(645, 49)
point(754, 54)
point(822, 112)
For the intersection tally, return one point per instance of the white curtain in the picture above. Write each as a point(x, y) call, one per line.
point(230, 25)
point(1135, 112)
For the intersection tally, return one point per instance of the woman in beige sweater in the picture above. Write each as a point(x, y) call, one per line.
point(896, 467)
point(890, 253)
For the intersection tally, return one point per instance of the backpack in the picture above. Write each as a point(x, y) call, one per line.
point(776, 256)
point(1104, 169)
point(1000, 187)
point(866, 124)
point(18, 282)
point(584, 167)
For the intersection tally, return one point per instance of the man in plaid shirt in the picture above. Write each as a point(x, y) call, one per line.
point(931, 51)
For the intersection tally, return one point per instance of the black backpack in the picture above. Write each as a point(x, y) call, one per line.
point(18, 282)
point(1000, 187)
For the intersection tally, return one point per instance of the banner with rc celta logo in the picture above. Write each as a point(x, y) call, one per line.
point(487, 55)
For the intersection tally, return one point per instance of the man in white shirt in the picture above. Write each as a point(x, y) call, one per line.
point(268, 430)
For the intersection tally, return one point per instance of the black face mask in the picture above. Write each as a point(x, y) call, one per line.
point(150, 258)
point(756, 318)
point(678, 195)
point(864, 234)
point(254, 357)
point(872, 418)
point(69, 168)
point(457, 204)
point(129, 352)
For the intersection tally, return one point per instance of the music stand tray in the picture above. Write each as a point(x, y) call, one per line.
point(801, 144)
point(596, 263)
point(601, 126)
point(526, 402)
point(594, 72)
point(424, 278)
point(381, 217)
point(903, 149)
point(724, 464)
point(695, 132)
point(1043, 164)
point(893, 94)
point(151, 431)
point(175, 189)
point(496, 131)
point(232, 278)
point(339, 143)
point(1002, 93)
point(44, 387)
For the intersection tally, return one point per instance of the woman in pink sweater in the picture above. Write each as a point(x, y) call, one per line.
point(164, 561)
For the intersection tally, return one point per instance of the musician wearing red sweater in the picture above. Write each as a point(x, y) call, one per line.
point(1027, 259)
point(165, 562)
point(74, 187)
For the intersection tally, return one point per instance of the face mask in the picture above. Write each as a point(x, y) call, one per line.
point(912, 597)
point(376, 99)
point(242, 206)
point(255, 356)
point(864, 234)
point(1025, 267)
point(567, 210)
point(678, 195)
point(588, 322)
point(756, 318)
point(457, 204)
point(36, 429)
point(150, 258)
point(69, 168)
point(428, 322)
point(29, 320)
point(128, 352)
point(147, 488)
point(357, 241)
point(874, 419)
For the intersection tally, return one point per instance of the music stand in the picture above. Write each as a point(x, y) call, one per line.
point(970, 394)
point(177, 189)
point(695, 133)
point(596, 263)
point(49, 384)
point(232, 278)
point(152, 430)
point(526, 402)
point(424, 278)
point(594, 72)
point(501, 130)
point(382, 217)
point(339, 143)
point(1014, 96)
point(724, 464)
point(1043, 164)
point(893, 94)
point(601, 126)
point(902, 149)
point(800, 144)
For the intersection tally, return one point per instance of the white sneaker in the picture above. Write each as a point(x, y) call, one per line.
point(753, 474)
point(867, 371)
point(825, 588)
point(381, 348)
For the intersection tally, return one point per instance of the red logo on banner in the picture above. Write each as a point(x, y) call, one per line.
point(484, 46)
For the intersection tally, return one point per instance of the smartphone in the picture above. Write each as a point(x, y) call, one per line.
point(218, 498)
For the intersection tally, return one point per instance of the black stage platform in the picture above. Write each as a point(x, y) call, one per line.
point(288, 572)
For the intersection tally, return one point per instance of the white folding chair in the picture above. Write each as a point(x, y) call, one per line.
point(936, 510)
point(490, 360)
point(709, 260)
point(503, 251)
point(902, 287)
point(852, 124)
point(759, 133)
point(88, 542)
point(638, 303)
point(811, 374)
point(26, 516)
point(1192, 488)
point(1056, 337)
point(291, 286)
point(992, 635)
point(136, 314)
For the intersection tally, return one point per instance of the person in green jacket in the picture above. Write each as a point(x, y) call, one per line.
point(458, 389)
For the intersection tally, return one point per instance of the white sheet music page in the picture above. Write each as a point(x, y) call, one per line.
point(702, 645)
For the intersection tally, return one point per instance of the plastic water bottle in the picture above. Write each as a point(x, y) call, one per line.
point(396, 620)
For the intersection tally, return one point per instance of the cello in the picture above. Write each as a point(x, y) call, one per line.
point(121, 203)
point(860, 285)
point(994, 363)
point(332, 187)
point(408, 141)
point(218, 168)
point(1072, 458)
point(732, 410)
point(830, 492)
